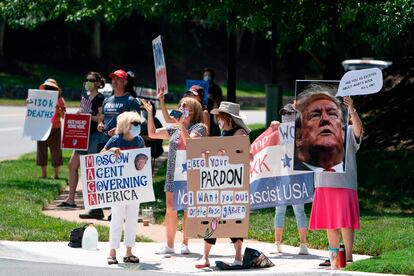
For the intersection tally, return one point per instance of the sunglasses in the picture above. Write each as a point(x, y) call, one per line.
point(91, 80)
point(135, 123)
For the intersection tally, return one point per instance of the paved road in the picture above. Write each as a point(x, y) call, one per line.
point(12, 121)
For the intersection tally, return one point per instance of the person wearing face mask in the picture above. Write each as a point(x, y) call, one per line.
point(90, 103)
point(190, 125)
point(126, 137)
point(230, 121)
point(288, 114)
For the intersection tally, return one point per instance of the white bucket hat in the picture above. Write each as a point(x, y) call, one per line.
point(233, 110)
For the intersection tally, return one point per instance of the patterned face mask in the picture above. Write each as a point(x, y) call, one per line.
point(89, 86)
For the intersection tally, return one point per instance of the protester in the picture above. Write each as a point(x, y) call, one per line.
point(126, 137)
point(90, 103)
point(54, 139)
point(113, 106)
point(231, 123)
point(335, 206)
point(214, 90)
point(319, 134)
point(288, 115)
point(197, 92)
point(188, 126)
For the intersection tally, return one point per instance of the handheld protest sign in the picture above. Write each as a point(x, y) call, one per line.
point(40, 110)
point(108, 180)
point(76, 131)
point(360, 82)
point(218, 187)
point(272, 179)
point(202, 83)
point(320, 129)
point(160, 69)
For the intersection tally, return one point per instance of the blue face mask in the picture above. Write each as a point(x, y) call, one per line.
point(135, 130)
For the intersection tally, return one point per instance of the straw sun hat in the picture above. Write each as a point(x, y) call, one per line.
point(233, 110)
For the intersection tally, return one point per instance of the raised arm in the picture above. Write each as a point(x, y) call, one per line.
point(167, 117)
point(153, 132)
point(356, 121)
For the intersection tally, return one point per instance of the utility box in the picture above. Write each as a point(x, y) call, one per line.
point(274, 102)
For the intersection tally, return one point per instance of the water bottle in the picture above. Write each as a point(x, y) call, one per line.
point(151, 215)
point(90, 238)
point(342, 256)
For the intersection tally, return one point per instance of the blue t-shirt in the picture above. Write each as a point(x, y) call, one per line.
point(119, 142)
point(113, 106)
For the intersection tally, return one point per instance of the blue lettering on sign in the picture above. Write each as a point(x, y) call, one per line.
point(39, 113)
point(281, 190)
point(111, 159)
point(158, 54)
point(180, 195)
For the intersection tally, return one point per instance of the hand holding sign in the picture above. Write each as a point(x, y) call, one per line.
point(360, 82)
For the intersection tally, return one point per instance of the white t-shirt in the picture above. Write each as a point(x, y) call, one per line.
point(349, 178)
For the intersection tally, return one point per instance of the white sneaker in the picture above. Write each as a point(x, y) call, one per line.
point(303, 249)
point(184, 250)
point(277, 248)
point(236, 262)
point(165, 250)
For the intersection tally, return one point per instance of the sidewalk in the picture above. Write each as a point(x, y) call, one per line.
point(289, 262)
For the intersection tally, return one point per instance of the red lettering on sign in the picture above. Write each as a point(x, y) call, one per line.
point(91, 186)
point(92, 199)
point(90, 174)
point(89, 161)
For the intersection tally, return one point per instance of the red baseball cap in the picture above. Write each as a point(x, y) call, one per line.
point(120, 74)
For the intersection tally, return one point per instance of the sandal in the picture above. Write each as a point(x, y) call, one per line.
point(202, 264)
point(112, 260)
point(131, 259)
point(325, 263)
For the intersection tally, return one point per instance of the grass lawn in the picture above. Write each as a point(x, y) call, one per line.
point(387, 222)
point(22, 197)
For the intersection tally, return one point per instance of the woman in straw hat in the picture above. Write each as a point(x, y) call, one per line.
point(230, 122)
point(53, 141)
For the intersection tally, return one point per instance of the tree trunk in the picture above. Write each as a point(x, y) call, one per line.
point(96, 40)
point(273, 55)
point(2, 27)
point(68, 44)
point(231, 67)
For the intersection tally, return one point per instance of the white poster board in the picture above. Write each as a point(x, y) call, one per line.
point(108, 180)
point(360, 82)
point(160, 69)
point(40, 109)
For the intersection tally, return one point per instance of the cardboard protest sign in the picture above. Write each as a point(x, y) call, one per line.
point(320, 131)
point(160, 69)
point(218, 187)
point(180, 196)
point(272, 179)
point(76, 131)
point(108, 180)
point(202, 83)
point(360, 82)
point(40, 110)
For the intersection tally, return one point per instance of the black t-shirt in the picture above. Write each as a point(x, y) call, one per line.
point(96, 103)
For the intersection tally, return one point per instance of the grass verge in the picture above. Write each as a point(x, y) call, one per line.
point(23, 196)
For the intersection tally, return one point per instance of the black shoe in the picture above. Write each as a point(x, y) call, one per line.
point(93, 214)
point(325, 263)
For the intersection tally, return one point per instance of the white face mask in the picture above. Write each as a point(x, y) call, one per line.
point(220, 123)
point(89, 86)
point(207, 78)
point(135, 130)
point(288, 118)
point(186, 112)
